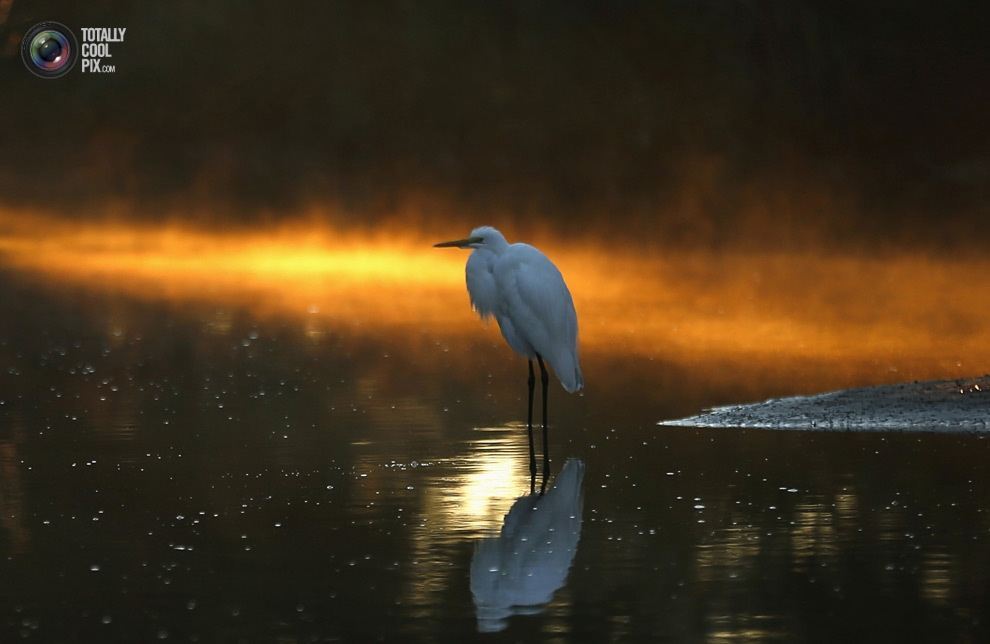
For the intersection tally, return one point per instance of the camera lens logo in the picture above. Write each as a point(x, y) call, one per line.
point(49, 50)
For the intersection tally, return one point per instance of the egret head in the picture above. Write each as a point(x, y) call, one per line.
point(481, 237)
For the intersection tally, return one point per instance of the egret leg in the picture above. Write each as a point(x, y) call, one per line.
point(529, 426)
point(545, 379)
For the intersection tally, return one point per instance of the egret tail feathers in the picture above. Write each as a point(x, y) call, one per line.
point(568, 371)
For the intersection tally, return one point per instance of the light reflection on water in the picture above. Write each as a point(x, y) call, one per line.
point(746, 628)
point(936, 577)
point(488, 478)
point(813, 535)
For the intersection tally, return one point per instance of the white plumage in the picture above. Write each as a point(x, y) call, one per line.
point(519, 571)
point(526, 294)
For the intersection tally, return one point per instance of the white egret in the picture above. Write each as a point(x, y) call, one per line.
point(526, 294)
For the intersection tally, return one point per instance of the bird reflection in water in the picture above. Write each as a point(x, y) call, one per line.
point(518, 572)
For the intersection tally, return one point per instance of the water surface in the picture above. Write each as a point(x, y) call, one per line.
point(208, 474)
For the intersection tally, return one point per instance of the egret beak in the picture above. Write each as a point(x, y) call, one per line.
point(459, 243)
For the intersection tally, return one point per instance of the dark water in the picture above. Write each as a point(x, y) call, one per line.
point(195, 474)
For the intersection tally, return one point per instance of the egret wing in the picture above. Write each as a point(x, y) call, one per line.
point(536, 299)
